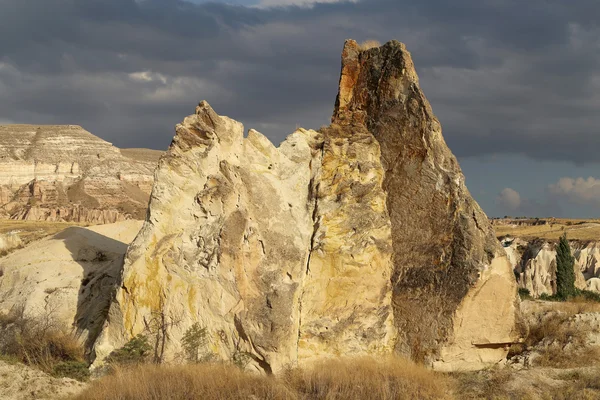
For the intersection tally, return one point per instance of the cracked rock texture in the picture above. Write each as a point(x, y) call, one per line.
point(64, 173)
point(358, 239)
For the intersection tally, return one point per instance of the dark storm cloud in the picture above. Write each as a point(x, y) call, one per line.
point(503, 76)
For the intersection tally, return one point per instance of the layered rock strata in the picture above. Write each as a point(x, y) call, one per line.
point(358, 239)
point(64, 173)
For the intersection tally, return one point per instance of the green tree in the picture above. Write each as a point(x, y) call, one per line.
point(565, 273)
point(193, 341)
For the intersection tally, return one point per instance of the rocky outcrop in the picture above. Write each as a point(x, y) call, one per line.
point(64, 173)
point(534, 264)
point(358, 239)
point(69, 278)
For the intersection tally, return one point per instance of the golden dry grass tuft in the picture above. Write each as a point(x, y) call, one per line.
point(194, 381)
point(365, 378)
point(41, 342)
point(348, 379)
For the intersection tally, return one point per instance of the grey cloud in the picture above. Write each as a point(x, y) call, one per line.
point(510, 199)
point(503, 76)
point(578, 190)
point(510, 202)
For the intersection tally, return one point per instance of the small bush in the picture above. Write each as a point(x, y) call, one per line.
point(72, 369)
point(137, 351)
point(37, 340)
point(560, 342)
point(524, 294)
point(193, 342)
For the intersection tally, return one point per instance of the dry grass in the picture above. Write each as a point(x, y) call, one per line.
point(194, 381)
point(556, 338)
point(575, 229)
point(580, 385)
point(365, 378)
point(34, 230)
point(347, 379)
point(535, 384)
point(40, 342)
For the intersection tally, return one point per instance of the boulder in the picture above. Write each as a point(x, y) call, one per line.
point(358, 239)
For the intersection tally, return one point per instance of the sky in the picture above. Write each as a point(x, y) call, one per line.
point(516, 85)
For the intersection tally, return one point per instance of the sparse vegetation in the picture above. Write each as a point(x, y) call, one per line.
point(193, 342)
point(557, 339)
point(72, 369)
point(346, 379)
point(137, 351)
point(41, 342)
point(565, 274)
point(524, 294)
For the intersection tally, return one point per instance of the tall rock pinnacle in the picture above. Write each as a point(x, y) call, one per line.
point(358, 239)
point(452, 282)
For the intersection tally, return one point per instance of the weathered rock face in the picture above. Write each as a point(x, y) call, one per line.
point(64, 173)
point(450, 274)
point(534, 264)
point(69, 277)
point(358, 239)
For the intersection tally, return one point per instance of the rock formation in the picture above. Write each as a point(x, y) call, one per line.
point(64, 173)
point(358, 239)
point(69, 277)
point(534, 264)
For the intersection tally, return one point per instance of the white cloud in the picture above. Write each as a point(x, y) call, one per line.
point(148, 76)
point(304, 3)
point(578, 190)
point(509, 198)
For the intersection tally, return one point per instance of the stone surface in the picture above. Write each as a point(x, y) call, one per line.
point(534, 264)
point(450, 273)
point(358, 239)
point(64, 173)
point(19, 382)
point(70, 276)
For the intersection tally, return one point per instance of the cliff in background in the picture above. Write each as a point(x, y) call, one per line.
point(64, 173)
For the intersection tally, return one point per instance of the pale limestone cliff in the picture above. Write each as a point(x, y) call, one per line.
point(358, 239)
point(64, 173)
point(534, 264)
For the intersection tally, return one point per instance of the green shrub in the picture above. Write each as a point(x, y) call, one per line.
point(588, 295)
point(524, 294)
point(193, 342)
point(136, 351)
point(72, 369)
point(565, 274)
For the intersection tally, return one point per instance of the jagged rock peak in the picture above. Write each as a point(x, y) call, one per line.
point(358, 239)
